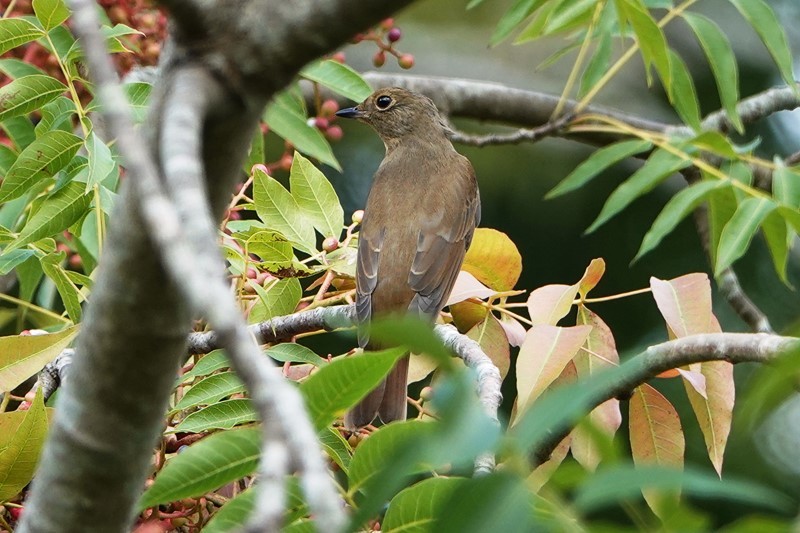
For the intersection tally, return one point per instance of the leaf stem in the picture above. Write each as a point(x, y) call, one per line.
point(34, 307)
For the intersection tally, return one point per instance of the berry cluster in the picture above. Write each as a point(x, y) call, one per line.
point(385, 35)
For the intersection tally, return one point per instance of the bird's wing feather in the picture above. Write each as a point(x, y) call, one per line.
point(369, 249)
point(440, 252)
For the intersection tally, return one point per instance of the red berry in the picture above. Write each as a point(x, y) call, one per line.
point(321, 123)
point(286, 161)
point(379, 58)
point(330, 244)
point(406, 61)
point(328, 108)
point(394, 35)
point(334, 133)
point(338, 57)
point(387, 24)
point(75, 261)
point(15, 512)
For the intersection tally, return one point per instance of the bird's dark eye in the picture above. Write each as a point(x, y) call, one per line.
point(383, 102)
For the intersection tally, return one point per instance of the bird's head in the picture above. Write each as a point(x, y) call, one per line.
point(395, 113)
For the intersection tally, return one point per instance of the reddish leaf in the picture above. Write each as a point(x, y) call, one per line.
point(493, 259)
point(656, 436)
point(543, 355)
point(515, 332)
point(551, 303)
point(490, 335)
point(468, 287)
point(684, 302)
point(599, 351)
point(695, 379)
point(591, 277)
point(715, 411)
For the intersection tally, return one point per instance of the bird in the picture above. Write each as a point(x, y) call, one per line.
point(421, 213)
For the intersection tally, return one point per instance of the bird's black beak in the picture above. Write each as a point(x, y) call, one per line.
point(350, 112)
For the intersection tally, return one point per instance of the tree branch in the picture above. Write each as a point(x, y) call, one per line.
point(731, 347)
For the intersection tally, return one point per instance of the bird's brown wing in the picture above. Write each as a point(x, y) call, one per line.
point(440, 252)
point(369, 250)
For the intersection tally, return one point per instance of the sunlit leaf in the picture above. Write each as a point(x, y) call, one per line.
point(210, 390)
point(467, 286)
point(15, 32)
point(223, 415)
point(27, 94)
point(339, 78)
point(50, 13)
point(315, 197)
point(551, 303)
point(51, 265)
point(493, 259)
point(280, 299)
point(279, 211)
point(685, 303)
point(22, 356)
point(19, 457)
point(591, 276)
point(492, 338)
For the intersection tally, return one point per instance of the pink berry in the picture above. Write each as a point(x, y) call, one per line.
point(394, 35)
point(334, 133)
point(321, 123)
point(330, 244)
point(328, 108)
point(406, 61)
point(379, 58)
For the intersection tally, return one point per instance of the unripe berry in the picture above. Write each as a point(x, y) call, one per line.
point(426, 394)
point(334, 133)
point(330, 244)
point(354, 440)
point(394, 35)
point(379, 58)
point(286, 161)
point(406, 61)
point(258, 166)
point(358, 216)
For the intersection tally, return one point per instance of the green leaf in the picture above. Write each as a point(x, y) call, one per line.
point(15, 68)
point(650, 38)
point(27, 94)
point(58, 212)
point(676, 210)
point(15, 32)
point(290, 352)
point(597, 162)
point(721, 207)
point(338, 386)
point(336, 447)
point(20, 130)
point(101, 163)
point(291, 123)
point(281, 299)
point(569, 15)
point(233, 515)
point(10, 260)
point(339, 78)
point(682, 93)
point(513, 17)
point(722, 60)
point(22, 356)
point(660, 166)
point(315, 197)
point(19, 457)
point(624, 482)
point(42, 158)
point(597, 66)
point(279, 211)
point(786, 185)
point(205, 466)
point(498, 502)
point(417, 507)
point(207, 364)
point(777, 236)
point(50, 13)
point(55, 114)
point(739, 231)
point(138, 94)
point(210, 390)
point(762, 18)
point(414, 333)
point(51, 264)
point(222, 415)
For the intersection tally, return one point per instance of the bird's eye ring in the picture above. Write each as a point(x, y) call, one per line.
point(383, 102)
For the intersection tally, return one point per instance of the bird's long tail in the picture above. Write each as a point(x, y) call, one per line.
point(387, 400)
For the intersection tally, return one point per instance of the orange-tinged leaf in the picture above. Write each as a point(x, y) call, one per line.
point(695, 379)
point(490, 335)
point(544, 471)
point(715, 411)
point(467, 286)
point(598, 352)
point(684, 302)
point(494, 259)
point(669, 373)
point(551, 303)
point(656, 436)
point(467, 314)
point(515, 332)
point(544, 354)
point(591, 277)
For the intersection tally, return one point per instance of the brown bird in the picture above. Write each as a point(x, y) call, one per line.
point(418, 223)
